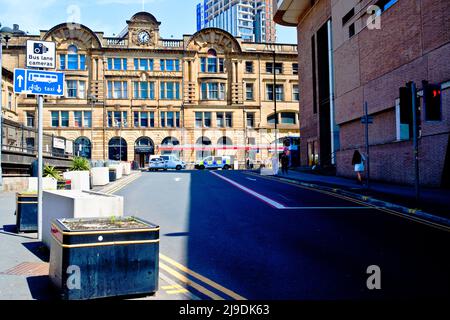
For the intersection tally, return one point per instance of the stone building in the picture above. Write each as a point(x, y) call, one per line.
point(367, 50)
point(137, 94)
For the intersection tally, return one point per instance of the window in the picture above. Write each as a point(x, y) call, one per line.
point(295, 68)
point(71, 88)
point(220, 120)
point(55, 119)
point(271, 119)
point(279, 88)
point(351, 30)
point(295, 93)
point(30, 118)
point(144, 90)
point(229, 119)
point(62, 61)
point(213, 91)
point(117, 119)
point(87, 119)
point(348, 16)
point(64, 119)
point(117, 90)
point(170, 119)
point(170, 65)
point(76, 89)
point(249, 66)
point(144, 119)
point(212, 65)
point(10, 98)
point(384, 5)
point(170, 90)
point(203, 119)
point(288, 118)
point(117, 64)
point(249, 91)
point(78, 118)
point(72, 62)
point(250, 119)
point(143, 64)
point(278, 67)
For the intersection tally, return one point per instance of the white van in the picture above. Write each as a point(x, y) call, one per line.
point(172, 162)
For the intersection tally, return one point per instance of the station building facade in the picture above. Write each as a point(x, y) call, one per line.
point(136, 95)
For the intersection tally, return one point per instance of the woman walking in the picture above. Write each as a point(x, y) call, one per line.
point(358, 163)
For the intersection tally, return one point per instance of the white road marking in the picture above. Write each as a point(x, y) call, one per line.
point(251, 192)
point(177, 179)
point(251, 179)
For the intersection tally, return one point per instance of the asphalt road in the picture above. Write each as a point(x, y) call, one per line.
point(227, 234)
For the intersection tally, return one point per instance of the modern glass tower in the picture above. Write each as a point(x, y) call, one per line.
point(249, 19)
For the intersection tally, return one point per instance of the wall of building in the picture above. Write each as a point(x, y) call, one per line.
point(372, 65)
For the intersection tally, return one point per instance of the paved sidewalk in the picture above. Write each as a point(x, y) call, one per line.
point(24, 259)
point(432, 200)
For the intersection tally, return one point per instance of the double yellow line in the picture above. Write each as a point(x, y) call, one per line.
point(123, 184)
point(179, 271)
point(347, 198)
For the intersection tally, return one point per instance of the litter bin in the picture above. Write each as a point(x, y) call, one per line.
point(110, 256)
point(26, 212)
point(64, 184)
point(112, 174)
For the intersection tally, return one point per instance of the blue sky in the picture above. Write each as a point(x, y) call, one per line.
point(177, 17)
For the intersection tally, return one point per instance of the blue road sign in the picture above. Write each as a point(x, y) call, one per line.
point(38, 82)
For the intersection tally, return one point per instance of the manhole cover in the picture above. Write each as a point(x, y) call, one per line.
point(28, 269)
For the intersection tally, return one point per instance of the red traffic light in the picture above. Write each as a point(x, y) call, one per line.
point(436, 93)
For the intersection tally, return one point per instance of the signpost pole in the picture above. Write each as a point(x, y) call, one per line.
point(415, 142)
point(40, 163)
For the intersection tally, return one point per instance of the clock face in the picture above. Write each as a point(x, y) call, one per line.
point(143, 37)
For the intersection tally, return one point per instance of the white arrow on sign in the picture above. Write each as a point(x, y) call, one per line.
point(20, 79)
point(59, 89)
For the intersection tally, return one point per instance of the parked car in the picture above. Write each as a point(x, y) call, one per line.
point(224, 162)
point(156, 164)
point(172, 162)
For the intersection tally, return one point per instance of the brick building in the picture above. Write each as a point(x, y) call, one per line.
point(375, 51)
point(138, 94)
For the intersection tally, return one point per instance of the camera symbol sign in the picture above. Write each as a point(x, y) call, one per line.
point(41, 54)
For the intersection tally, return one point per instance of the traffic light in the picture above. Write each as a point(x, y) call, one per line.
point(432, 101)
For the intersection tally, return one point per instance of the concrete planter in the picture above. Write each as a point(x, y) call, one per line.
point(100, 176)
point(47, 184)
point(114, 257)
point(80, 179)
point(77, 204)
point(126, 168)
point(119, 170)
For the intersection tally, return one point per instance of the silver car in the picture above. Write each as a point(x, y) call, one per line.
point(157, 164)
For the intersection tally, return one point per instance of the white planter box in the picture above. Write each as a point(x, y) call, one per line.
point(100, 176)
point(126, 168)
point(119, 170)
point(80, 179)
point(77, 204)
point(47, 184)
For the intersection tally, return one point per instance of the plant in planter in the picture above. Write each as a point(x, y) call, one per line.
point(79, 174)
point(80, 164)
point(52, 172)
point(113, 257)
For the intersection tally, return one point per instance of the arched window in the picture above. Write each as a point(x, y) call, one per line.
point(167, 145)
point(225, 141)
point(201, 143)
point(288, 118)
point(83, 147)
point(72, 49)
point(143, 149)
point(117, 149)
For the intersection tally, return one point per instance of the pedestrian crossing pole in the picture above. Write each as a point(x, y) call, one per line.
point(415, 140)
point(366, 115)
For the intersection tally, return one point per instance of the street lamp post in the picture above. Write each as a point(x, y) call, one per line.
point(7, 37)
point(275, 103)
point(93, 99)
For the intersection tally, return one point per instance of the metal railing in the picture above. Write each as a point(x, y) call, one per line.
point(18, 138)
